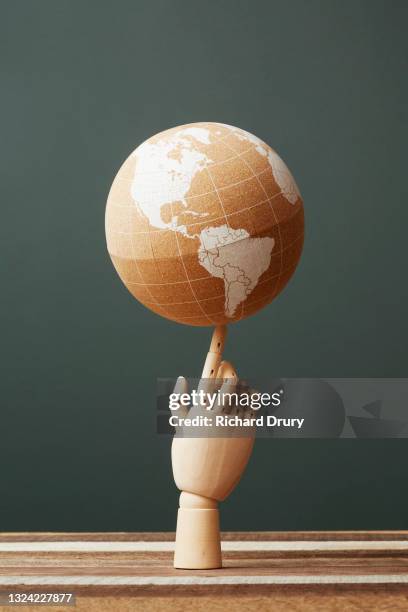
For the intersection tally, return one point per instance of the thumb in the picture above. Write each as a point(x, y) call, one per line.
point(180, 387)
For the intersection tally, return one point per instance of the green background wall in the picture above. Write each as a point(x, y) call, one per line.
point(82, 84)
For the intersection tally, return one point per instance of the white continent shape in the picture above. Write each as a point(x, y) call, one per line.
point(236, 258)
point(280, 171)
point(161, 178)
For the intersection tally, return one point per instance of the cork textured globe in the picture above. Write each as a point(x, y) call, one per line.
point(204, 224)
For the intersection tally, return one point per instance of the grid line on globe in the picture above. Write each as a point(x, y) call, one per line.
point(276, 221)
point(201, 236)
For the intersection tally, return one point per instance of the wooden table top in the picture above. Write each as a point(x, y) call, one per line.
point(262, 570)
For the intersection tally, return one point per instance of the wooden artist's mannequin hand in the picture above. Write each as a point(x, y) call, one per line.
point(207, 463)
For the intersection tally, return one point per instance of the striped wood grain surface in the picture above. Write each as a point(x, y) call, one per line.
point(262, 571)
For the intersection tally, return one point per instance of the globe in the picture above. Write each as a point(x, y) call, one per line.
point(204, 224)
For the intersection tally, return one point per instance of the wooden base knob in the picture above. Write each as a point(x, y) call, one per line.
point(198, 544)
